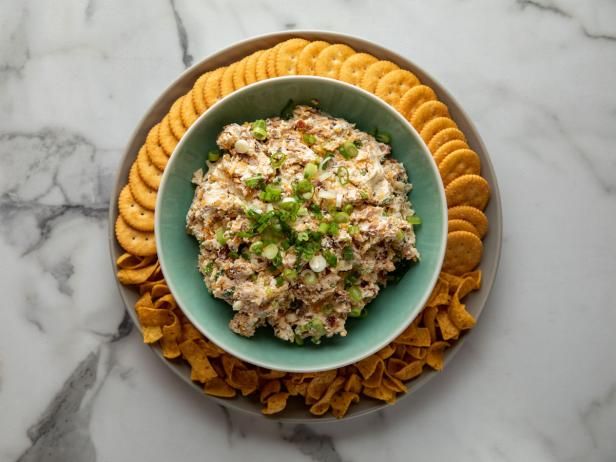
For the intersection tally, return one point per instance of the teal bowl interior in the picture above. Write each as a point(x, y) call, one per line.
point(394, 308)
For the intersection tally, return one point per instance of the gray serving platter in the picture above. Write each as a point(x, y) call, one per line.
point(296, 411)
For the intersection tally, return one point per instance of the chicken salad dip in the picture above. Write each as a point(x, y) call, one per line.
point(300, 222)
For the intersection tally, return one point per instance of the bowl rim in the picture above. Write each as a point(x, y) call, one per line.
point(238, 49)
point(211, 334)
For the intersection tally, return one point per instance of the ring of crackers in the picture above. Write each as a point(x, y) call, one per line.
point(382, 376)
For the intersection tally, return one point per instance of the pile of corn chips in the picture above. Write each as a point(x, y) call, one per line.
point(382, 376)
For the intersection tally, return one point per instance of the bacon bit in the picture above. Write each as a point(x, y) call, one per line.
point(300, 125)
point(331, 321)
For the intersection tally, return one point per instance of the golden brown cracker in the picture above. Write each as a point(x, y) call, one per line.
point(261, 66)
point(271, 62)
point(139, 243)
point(414, 98)
point(211, 90)
point(463, 252)
point(166, 138)
point(188, 113)
point(471, 190)
point(435, 126)
point(448, 148)
point(306, 60)
point(250, 74)
point(287, 56)
point(353, 69)
point(147, 171)
point(239, 79)
point(199, 93)
point(142, 193)
point(133, 213)
point(442, 137)
point(394, 84)
point(175, 118)
point(457, 224)
point(155, 152)
point(226, 81)
point(330, 60)
point(376, 72)
point(458, 163)
point(426, 112)
point(472, 215)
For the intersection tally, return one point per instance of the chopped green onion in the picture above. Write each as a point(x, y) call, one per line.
point(289, 274)
point(256, 247)
point(279, 281)
point(314, 208)
point(277, 159)
point(298, 340)
point(288, 203)
point(347, 253)
point(213, 155)
point(333, 229)
point(302, 211)
point(341, 217)
point(244, 234)
point(253, 214)
point(259, 129)
point(323, 228)
point(330, 258)
point(324, 163)
point(414, 219)
point(363, 194)
point(270, 251)
point(208, 268)
point(348, 150)
point(309, 277)
point(233, 254)
point(272, 193)
point(302, 236)
point(343, 175)
point(316, 326)
point(353, 229)
point(348, 208)
point(310, 170)
point(304, 189)
point(256, 182)
point(355, 294)
point(355, 312)
point(309, 139)
point(220, 236)
point(277, 261)
point(382, 137)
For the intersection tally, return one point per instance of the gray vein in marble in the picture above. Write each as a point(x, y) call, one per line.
point(16, 53)
point(552, 8)
point(593, 408)
point(318, 447)
point(61, 434)
point(187, 58)
point(62, 273)
point(89, 11)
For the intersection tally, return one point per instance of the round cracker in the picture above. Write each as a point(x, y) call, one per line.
point(166, 138)
point(211, 91)
point(414, 98)
point(306, 60)
point(189, 114)
point(426, 112)
point(354, 68)
point(155, 152)
point(140, 243)
point(261, 67)
point(133, 213)
point(442, 137)
point(471, 190)
point(458, 163)
point(175, 118)
point(226, 81)
point(271, 62)
point(463, 254)
point(287, 56)
point(448, 148)
point(239, 80)
point(394, 84)
point(199, 93)
point(142, 193)
point(376, 72)
point(330, 60)
point(474, 216)
point(435, 126)
point(250, 74)
point(148, 172)
point(457, 224)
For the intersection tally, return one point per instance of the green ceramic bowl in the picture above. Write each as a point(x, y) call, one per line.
point(394, 308)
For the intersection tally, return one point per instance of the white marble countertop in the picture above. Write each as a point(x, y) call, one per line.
point(535, 381)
